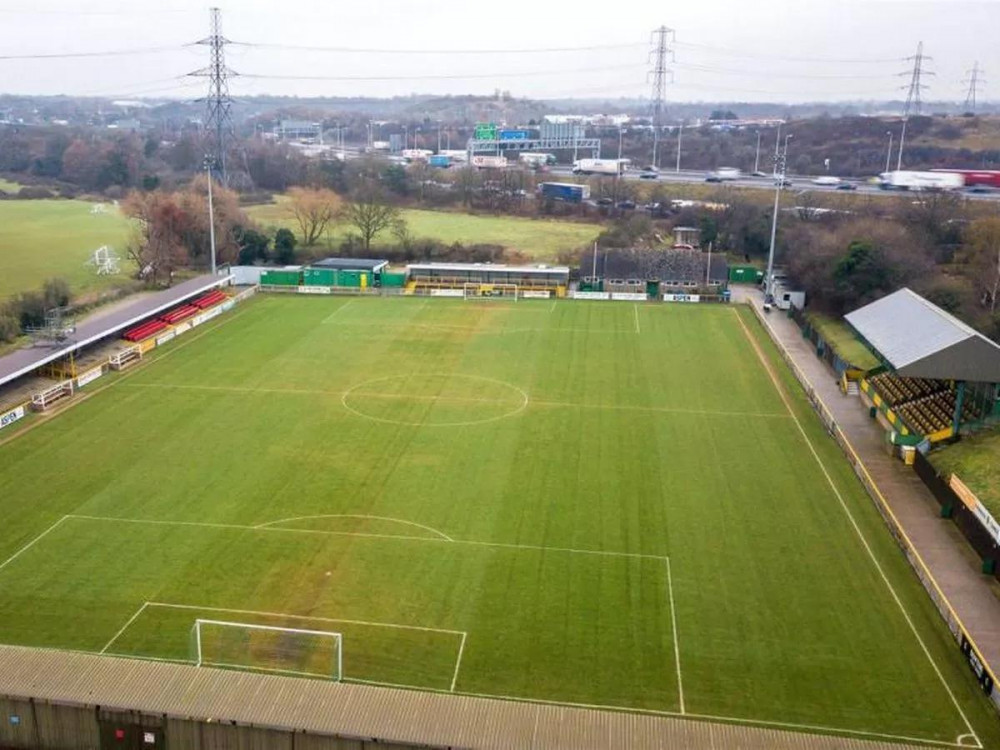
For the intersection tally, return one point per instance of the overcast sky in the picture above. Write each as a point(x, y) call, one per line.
point(752, 50)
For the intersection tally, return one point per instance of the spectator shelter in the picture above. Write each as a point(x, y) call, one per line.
point(678, 269)
point(938, 374)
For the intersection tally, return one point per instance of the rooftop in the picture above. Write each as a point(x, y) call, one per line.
point(920, 340)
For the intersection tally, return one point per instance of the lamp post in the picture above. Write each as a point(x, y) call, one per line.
point(888, 154)
point(902, 140)
point(209, 163)
point(779, 172)
point(680, 133)
point(756, 158)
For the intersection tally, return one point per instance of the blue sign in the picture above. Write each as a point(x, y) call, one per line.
point(513, 135)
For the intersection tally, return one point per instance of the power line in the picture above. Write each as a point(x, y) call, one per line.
point(99, 53)
point(784, 58)
point(777, 74)
point(397, 51)
point(439, 77)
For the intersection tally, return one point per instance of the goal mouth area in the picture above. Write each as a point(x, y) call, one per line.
point(490, 292)
point(299, 652)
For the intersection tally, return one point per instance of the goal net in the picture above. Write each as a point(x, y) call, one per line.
point(264, 648)
point(490, 292)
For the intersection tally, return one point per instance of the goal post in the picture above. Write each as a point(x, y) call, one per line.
point(267, 648)
point(477, 291)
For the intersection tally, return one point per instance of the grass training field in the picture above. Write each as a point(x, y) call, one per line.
point(42, 239)
point(606, 504)
point(541, 239)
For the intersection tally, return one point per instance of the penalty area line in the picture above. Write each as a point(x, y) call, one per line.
point(32, 543)
point(116, 636)
point(857, 529)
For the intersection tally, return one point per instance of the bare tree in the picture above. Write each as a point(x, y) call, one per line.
point(313, 210)
point(983, 238)
point(370, 214)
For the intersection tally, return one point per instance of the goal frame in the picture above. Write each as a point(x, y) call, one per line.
point(472, 290)
point(338, 638)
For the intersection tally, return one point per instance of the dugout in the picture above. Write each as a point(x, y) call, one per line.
point(938, 376)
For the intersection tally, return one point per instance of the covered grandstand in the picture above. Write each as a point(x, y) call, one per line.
point(938, 375)
point(679, 269)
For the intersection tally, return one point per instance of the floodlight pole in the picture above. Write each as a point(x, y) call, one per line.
point(888, 154)
point(779, 169)
point(902, 140)
point(211, 213)
point(756, 159)
point(680, 134)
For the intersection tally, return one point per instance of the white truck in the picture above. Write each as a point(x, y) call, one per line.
point(416, 154)
point(600, 166)
point(489, 162)
point(536, 160)
point(904, 180)
point(827, 180)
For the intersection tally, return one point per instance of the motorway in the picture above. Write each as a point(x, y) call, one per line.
point(798, 184)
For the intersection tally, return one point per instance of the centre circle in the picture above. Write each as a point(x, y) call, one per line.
point(434, 400)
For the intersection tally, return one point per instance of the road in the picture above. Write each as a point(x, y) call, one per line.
point(798, 184)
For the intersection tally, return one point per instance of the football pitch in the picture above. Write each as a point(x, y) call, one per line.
point(605, 504)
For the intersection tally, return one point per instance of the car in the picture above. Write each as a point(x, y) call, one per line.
point(626, 205)
point(979, 189)
point(713, 178)
point(783, 182)
point(758, 173)
point(651, 207)
point(605, 202)
point(847, 186)
point(649, 175)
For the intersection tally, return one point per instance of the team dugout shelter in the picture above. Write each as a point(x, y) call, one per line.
point(938, 376)
point(487, 279)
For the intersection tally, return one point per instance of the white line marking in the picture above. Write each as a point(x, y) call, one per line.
point(31, 544)
point(124, 627)
point(356, 515)
point(553, 308)
point(458, 662)
point(677, 647)
point(635, 309)
point(285, 615)
point(332, 315)
point(320, 532)
point(854, 524)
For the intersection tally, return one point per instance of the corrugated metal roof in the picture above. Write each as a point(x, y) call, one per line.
point(921, 340)
point(23, 361)
point(351, 264)
point(498, 267)
point(361, 711)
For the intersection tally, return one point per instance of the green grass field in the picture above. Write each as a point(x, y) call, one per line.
point(541, 239)
point(590, 503)
point(48, 238)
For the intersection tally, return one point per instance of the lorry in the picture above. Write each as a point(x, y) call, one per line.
point(489, 162)
point(600, 166)
point(905, 180)
point(440, 160)
point(826, 180)
point(976, 177)
point(536, 160)
point(416, 154)
point(569, 192)
point(457, 155)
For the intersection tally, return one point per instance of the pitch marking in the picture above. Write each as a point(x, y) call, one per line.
point(458, 662)
point(635, 309)
point(31, 544)
point(357, 515)
point(677, 645)
point(332, 315)
point(856, 527)
point(124, 627)
point(322, 532)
